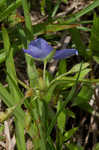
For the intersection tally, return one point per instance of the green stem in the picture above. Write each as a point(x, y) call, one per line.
point(44, 70)
point(23, 84)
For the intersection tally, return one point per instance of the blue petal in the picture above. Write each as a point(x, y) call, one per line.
point(35, 52)
point(65, 53)
point(42, 45)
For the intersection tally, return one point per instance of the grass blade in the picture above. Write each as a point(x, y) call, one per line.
point(19, 131)
point(94, 42)
point(28, 22)
point(77, 40)
point(70, 96)
point(9, 10)
point(12, 83)
point(56, 7)
point(83, 12)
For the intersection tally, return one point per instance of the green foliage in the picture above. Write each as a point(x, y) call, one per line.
point(56, 7)
point(43, 4)
point(83, 98)
point(14, 90)
point(2, 56)
point(62, 67)
point(69, 134)
point(94, 43)
point(61, 119)
point(96, 59)
point(1, 131)
point(6, 12)
point(78, 41)
point(74, 147)
point(96, 146)
point(48, 103)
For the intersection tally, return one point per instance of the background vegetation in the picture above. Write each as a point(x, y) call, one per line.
point(61, 112)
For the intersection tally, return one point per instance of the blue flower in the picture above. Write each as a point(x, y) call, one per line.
point(40, 49)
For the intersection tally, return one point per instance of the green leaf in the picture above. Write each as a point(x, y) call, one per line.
point(67, 82)
point(32, 71)
point(76, 68)
point(83, 98)
point(7, 98)
point(44, 28)
point(1, 128)
point(2, 2)
point(10, 67)
point(83, 73)
point(14, 90)
point(65, 1)
point(70, 113)
point(61, 119)
point(56, 7)
point(96, 147)
point(96, 59)
point(28, 22)
point(9, 101)
point(78, 41)
point(43, 4)
point(72, 70)
point(36, 139)
point(38, 114)
point(68, 99)
point(49, 93)
point(2, 138)
point(94, 43)
point(2, 56)
point(19, 132)
point(5, 39)
point(81, 77)
point(74, 147)
point(70, 133)
point(6, 114)
point(62, 66)
point(10, 9)
point(22, 35)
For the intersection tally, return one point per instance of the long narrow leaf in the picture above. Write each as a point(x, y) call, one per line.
point(2, 2)
point(10, 9)
point(70, 96)
point(83, 12)
point(19, 131)
point(28, 22)
point(12, 83)
point(8, 99)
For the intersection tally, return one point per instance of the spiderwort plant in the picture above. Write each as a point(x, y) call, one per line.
point(39, 49)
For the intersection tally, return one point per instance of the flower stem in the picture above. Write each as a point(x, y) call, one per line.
point(44, 70)
point(23, 84)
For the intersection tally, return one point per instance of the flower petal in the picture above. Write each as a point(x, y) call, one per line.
point(65, 53)
point(42, 45)
point(36, 52)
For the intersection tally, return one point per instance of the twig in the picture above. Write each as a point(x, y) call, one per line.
point(8, 138)
point(2, 144)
